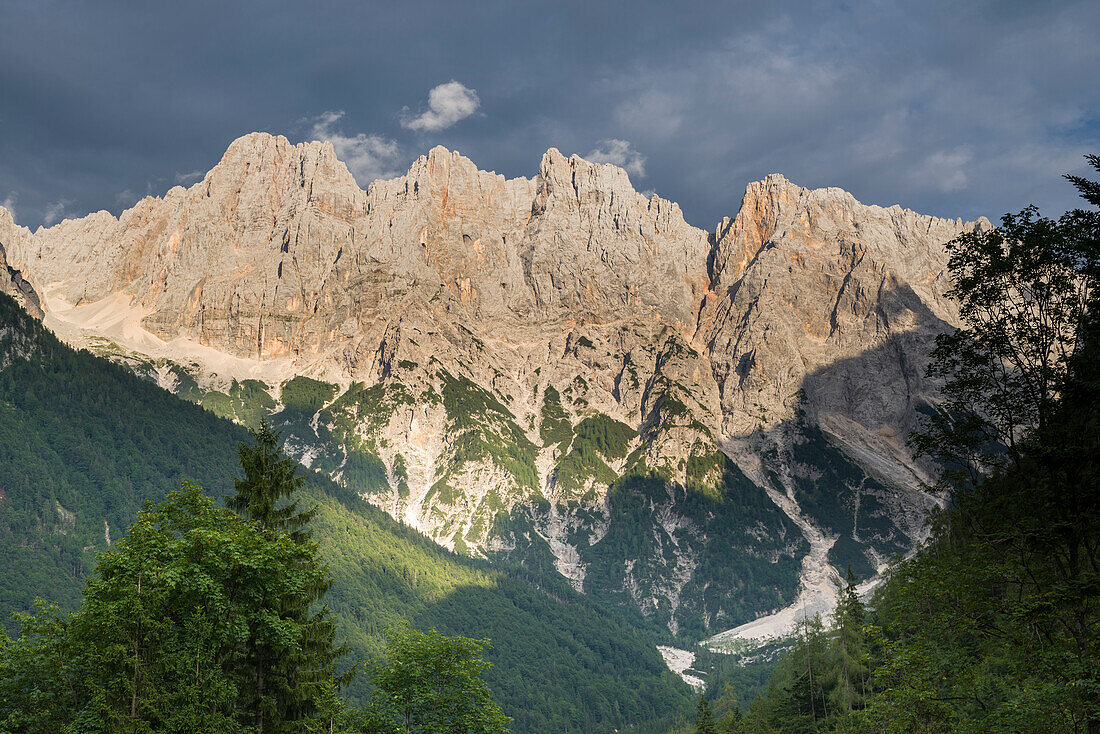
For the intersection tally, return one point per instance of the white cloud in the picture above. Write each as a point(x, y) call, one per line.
point(186, 179)
point(368, 157)
point(126, 198)
point(55, 212)
point(447, 104)
point(944, 170)
point(9, 203)
point(619, 152)
point(652, 114)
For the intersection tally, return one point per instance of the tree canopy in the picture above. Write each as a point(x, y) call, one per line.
point(431, 684)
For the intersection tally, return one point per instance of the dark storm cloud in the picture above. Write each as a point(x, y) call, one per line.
point(955, 109)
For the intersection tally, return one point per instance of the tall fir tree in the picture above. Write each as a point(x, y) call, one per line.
point(288, 684)
point(265, 492)
point(704, 721)
point(850, 669)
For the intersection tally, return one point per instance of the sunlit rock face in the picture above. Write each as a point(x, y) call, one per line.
point(557, 371)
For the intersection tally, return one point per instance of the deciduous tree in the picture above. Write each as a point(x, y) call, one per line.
point(432, 684)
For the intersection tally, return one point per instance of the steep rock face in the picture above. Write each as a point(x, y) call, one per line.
point(14, 280)
point(826, 304)
point(214, 262)
point(558, 371)
point(599, 250)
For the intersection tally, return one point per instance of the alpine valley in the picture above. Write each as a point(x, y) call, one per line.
point(700, 428)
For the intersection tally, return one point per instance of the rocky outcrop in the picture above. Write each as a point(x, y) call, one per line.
point(495, 354)
point(14, 280)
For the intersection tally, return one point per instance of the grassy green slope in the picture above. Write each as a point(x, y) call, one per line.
point(84, 441)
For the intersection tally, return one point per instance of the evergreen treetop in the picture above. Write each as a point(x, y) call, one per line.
point(270, 478)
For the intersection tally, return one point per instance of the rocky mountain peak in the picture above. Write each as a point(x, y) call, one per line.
point(273, 167)
point(576, 182)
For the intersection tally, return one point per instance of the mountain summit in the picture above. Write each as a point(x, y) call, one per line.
point(557, 371)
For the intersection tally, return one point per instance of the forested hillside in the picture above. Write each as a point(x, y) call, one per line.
point(83, 443)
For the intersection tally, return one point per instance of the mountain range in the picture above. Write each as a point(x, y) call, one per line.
point(559, 372)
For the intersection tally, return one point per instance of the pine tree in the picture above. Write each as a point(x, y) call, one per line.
point(704, 723)
point(270, 477)
point(796, 699)
point(287, 683)
point(849, 650)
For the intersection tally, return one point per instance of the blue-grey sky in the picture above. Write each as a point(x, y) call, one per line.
point(949, 108)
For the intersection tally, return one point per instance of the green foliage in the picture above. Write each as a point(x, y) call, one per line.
point(83, 444)
point(304, 396)
point(555, 426)
point(401, 474)
point(1025, 290)
point(735, 682)
point(167, 625)
point(995, 624)
point(484, 430)
point(355, 419)
point(1019, 434)
point(286, 683)
point(560, 661)
point(704, 723)
point(850, 674)
point(369, 407)
point(269, 478)
point(433, 684)
point(597, 440)
point(701, 470)
point(609, 437)
point(469, 404)
point(247, 402)
point(819, 684)
point(733, 580)
point(842, 497)
point(38, 674)
point(745, 550)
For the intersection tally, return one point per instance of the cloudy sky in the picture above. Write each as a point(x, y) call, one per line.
point(952, 108)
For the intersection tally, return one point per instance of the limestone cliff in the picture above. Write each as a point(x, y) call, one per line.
point(14, 278)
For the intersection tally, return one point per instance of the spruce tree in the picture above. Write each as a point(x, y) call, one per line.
point(286, 683)
point(270, 478)
point(849, 649)
point(704, 723)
